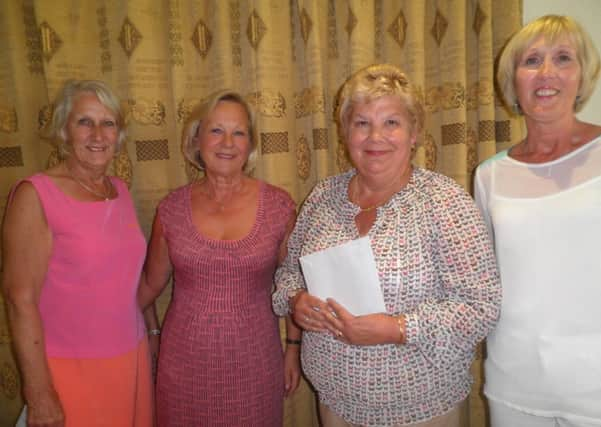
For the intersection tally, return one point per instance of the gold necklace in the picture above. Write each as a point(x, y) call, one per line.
point(106, 196)
point(221, 205)
point(355, 201)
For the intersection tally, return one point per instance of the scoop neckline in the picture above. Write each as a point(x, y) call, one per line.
point(68, 196)
point(567, 156)
point(245, 240)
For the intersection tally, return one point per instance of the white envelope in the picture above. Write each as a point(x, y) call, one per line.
point(346, 273)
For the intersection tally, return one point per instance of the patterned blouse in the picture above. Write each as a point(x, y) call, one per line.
point(436, 266)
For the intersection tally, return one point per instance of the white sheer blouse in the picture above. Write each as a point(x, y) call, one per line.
point(545, 219)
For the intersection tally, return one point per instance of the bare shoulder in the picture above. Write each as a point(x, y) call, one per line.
point(590, 131)
point(24, 209)
point(25, 196)
point(26, 243)
point(252, 184)
point(59, 176)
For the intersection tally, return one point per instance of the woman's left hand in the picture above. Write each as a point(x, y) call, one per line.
point(369, 329)
point(292, 371)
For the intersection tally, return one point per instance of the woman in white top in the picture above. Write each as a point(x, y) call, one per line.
point(542, 202)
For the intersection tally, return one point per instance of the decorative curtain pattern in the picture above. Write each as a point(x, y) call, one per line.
point(287, 57)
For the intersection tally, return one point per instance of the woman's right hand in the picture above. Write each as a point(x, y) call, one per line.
point(308, 312)
point(45, 411)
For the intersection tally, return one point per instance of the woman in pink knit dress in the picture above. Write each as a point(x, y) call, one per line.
point(221, 361)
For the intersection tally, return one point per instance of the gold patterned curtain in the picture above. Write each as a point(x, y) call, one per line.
point(287, 57)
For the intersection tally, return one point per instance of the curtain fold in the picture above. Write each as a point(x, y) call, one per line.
point(288, 58)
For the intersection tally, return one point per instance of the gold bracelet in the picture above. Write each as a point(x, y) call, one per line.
point(401, 328)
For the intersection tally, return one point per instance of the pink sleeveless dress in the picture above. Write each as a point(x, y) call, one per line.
point(221, 359)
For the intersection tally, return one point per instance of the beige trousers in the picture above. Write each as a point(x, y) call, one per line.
point(457, 417)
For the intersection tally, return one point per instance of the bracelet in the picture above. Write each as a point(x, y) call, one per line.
point(401, 329)
point(293, 342)
point(154, 332)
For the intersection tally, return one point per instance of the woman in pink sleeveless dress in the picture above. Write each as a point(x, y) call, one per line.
point(73, 252)
point(221, 361)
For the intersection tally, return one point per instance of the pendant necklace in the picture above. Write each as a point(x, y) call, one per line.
point(356, 202)
point(105, 196)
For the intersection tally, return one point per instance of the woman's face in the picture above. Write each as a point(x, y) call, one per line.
point(380, 137)
point(224, 139)
point(91, 132)
point(547, 79)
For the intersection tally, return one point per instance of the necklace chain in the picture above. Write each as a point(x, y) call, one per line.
point(108, 188)
point(356, 201)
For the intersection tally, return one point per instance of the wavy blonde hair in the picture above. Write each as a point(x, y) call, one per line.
point(373, 82)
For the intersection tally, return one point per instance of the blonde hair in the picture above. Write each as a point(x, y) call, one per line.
point(190, 146)
point(373, 82)
point(56, 129)
point(551, 28)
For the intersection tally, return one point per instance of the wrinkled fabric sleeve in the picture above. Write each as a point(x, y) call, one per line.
point(481, 192)
point(447, 330)
point(288, 276)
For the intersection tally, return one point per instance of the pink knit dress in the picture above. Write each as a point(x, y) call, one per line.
point(221, 360)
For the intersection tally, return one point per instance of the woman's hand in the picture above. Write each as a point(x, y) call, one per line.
point(308, 312)
point(370, 329)
point(45, 410)
point(292, 371)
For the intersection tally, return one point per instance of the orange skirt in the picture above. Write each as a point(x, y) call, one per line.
point(115, 392)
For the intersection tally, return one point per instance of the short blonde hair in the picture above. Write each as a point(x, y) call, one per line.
point(373, 82)
point(551, 27)
point(191, 149)
point(56, 129)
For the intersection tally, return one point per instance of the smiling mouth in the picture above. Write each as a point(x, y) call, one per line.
point(96, 149)
point(546, 92)
point(225, 156)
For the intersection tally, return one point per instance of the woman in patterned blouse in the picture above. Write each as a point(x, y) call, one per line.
point(410, 364)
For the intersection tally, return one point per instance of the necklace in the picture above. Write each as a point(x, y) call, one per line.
point(210, 193)
point(106, 182)
point(355, 201)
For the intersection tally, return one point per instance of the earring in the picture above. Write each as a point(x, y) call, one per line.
point(199, 163)
point(516, 108)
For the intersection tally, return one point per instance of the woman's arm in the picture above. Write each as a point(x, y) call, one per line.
point(448, 329)
point(288, 277)
point(154, 277)
point(293, 333)
point(481, 191)
point(157, 269)
point(27, 244)
point(292, 371)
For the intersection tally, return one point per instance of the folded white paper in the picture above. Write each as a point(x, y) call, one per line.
point(348, 274)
